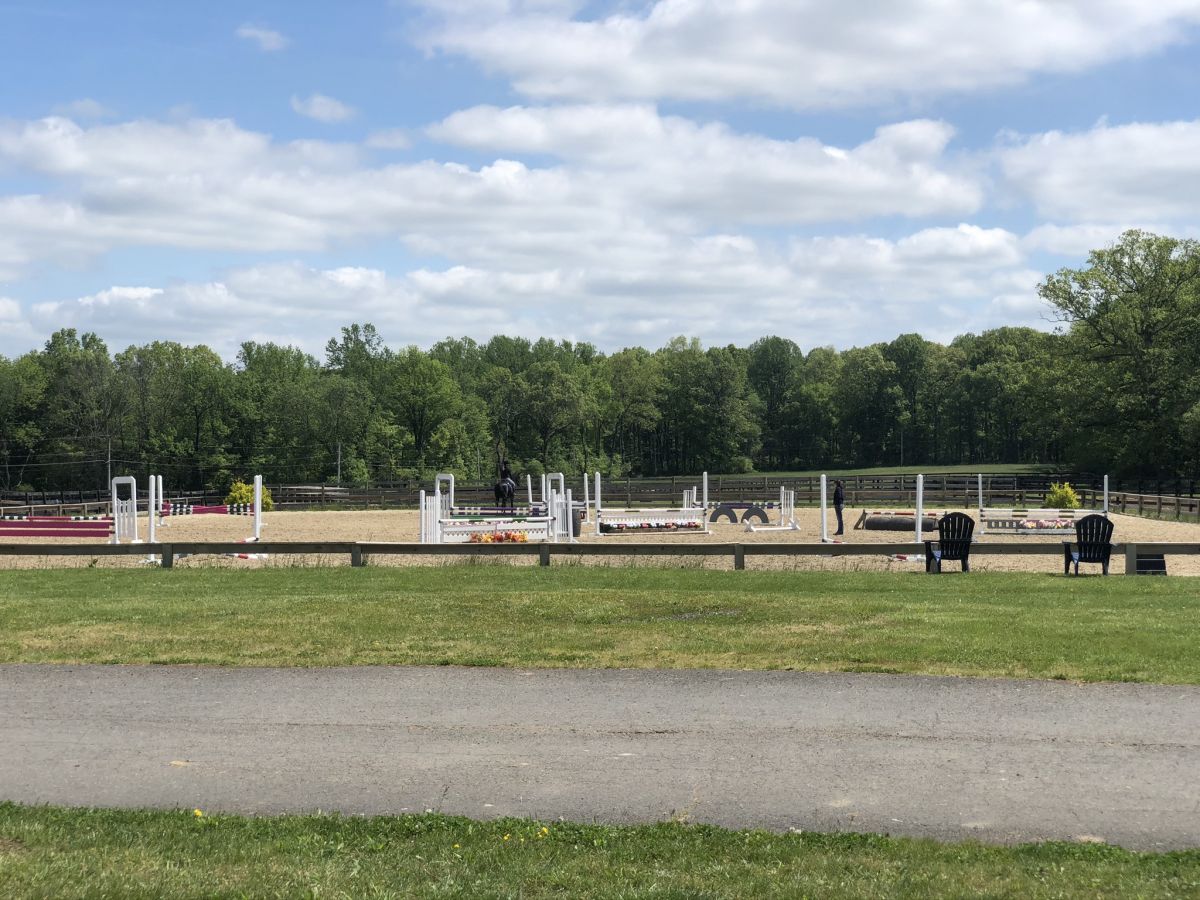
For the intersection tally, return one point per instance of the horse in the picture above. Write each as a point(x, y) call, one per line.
point(506, 491)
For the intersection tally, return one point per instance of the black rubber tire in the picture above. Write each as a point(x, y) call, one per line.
point(723, 511)
point(756, 512)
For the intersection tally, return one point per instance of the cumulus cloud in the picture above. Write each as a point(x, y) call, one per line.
point(713, 174)
point(84, 108)
point(627, 177)
point(1140, 171)
point(390, 139)
point(722, 288)
point(268, 40)
point(323, 109)
point(10, 310)
point(795, 53)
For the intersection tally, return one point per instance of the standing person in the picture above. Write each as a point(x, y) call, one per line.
point(839, 500)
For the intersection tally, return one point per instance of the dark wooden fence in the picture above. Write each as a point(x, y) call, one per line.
point(941, 489)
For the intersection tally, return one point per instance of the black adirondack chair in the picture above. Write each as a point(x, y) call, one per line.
point(1093, 543)
point(954, 542)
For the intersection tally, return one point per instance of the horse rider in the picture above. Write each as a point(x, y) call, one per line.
point(506, 476)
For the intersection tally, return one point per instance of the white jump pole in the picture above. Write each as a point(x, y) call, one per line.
point(1105, 495)
point(568, 512)
point(599, 505)
point(587, 503)
point(824, 513)
point(124, 512)
point(151, 498)
point(529, 488)
point(980, 480)
point(257, 507)
point(920, 507)
point(421, 507)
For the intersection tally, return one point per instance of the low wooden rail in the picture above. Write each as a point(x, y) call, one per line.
point(360, 552)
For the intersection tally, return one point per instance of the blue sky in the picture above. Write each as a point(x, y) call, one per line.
point(612, 172)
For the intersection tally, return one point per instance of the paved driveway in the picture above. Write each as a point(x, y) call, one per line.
point(941, 757)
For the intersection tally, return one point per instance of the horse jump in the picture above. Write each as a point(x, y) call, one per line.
point(787, 514)
point(995, 520)
point(444, 523)
point(691, 517)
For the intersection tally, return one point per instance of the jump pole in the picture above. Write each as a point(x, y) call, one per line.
point(979, 477)
point(1106, 496)
point(587, 502)
point(151, 515)
point(599, 505)
point(124, 512)
point(257, 508)
point(920, 506)
point(529, 488)
point(824, 512)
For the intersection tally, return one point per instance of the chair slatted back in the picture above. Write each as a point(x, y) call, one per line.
point(1094, 534)
point(954, 535)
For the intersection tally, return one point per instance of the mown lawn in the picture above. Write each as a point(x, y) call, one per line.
point(62, 853)
point(985, 624)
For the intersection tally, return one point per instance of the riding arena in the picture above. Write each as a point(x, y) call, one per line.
point(580, 511)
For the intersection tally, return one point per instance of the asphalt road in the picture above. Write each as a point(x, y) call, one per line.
point(948, 758)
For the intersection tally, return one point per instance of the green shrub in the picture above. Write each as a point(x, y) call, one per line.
point(240, 492)
point(1062, 496)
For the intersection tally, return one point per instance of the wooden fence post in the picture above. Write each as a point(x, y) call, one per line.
point(739, 557)
point(544, 555)
point(356, 556)
point(168, 556)
point(1131, 559)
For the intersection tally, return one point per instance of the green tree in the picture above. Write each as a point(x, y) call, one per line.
point(1133, 318)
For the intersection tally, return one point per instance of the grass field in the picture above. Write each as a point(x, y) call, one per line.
point(47, 852)
point(1017, 625)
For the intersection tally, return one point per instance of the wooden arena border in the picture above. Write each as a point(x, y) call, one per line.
point(359, 552)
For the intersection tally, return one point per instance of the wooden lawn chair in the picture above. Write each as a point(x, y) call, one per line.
point(953, 543)
point(1093, 543)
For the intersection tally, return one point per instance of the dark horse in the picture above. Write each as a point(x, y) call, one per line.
point(506, 490)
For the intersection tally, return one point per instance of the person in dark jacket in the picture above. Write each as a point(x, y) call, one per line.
point(839, 500)
point(506, 477)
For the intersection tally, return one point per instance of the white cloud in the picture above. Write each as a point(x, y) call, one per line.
point(712, 174)
point(323, 109)
point(391, 139)
point(1079, 240)
point(628, 178)
point(1142, 171)
point(267, 39)
point(84, 108)
point(797, 53)
point(10, 310)
point(722, 288)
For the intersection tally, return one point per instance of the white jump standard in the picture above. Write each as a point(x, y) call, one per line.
point(439, 524)
point(994, 520)
point(787, 514)
point(690, 518)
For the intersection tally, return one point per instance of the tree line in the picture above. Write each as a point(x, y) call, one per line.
point(1116, 388)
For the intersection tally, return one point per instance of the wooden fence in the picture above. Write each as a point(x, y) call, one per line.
point(948, 490)
point(360, 552)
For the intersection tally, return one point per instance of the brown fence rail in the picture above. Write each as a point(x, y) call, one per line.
point(948, 490)
point(360, 552)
